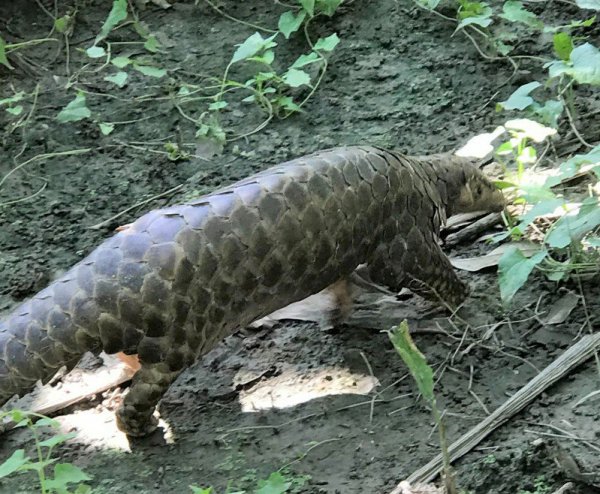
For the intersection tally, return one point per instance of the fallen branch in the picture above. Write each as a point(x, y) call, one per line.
point(473, 230)
point(573, 357)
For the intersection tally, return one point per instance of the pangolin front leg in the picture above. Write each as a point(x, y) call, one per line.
point(424, 269)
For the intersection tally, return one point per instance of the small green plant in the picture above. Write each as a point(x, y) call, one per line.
point(270, 88)
point(540, 486)
point(570, 246)
point(279, 482)
point(489, 460)
point(65, 476)
point(423, 376)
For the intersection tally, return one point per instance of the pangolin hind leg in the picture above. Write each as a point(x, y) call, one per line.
point(136, 417)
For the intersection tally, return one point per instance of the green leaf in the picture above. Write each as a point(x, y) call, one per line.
point(76, 110)
point(265, 76)
point(275, 484)
point(570, 167)
point(57, 439)
point(15, 110)
point(583, 65)
point(290, 23)
point(106, 128)
point(309, 6)
point(120, 62)
point(536, 193)
point(65, 474)
point(514, 269)
point(120, 78)
point(546, 206)
point(3, 59)
point(296, 78)
point(217, 105)
point(267, 57)
point(503, 48)
point(328, 7)
point(150, 71)
point(505, 148)
point(47, 422)
point(428, 4)
point(479, 13)
point(513, 11)
point(200, 490)
point(252, 46)
point(117, 14)
point(328, 43)
point(550, 112)
point(151, 44)
point(588, 4)
point(18, 415)
point(520, 99)
point(287, 103)
point(62, 24)
point(12, 99)
point(414, 359)
point(303, 60)
point(95, 52)
point(571, 228)
point(563, 45)
point(13, 463)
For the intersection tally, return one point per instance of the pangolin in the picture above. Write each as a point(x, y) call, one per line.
point(179, 279)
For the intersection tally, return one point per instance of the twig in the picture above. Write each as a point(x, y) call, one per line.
point(43, 156)
point(474, 229)
point(573, 126)
point(565, 488)
point(372, 409)
point(231, 18)
point(574, 356)
point(102, 224)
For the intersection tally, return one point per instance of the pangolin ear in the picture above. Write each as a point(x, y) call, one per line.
point(466, 195)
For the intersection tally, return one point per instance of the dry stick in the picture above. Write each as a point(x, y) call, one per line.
point(102, 224)
point(573, 126)
point(235, 19)
point(474, 229)
point(41, 157)
point(565, 488)
point(574, 356)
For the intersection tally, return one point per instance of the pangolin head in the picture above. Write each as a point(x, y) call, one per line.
point(477, 193)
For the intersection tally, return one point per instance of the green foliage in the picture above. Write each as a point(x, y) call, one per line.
point(65, 476)
point(422, 373)
point(3, 57)
point(10, 105)
point(514, 269)
point(540, 485)
point(272, 88)
point(583, 65)
point(544, 103)
point(278, 482)
point(117, 14)
point(414, 360)
point(478, 13)
point(75, 110)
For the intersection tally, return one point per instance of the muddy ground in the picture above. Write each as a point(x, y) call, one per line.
point(398, 79)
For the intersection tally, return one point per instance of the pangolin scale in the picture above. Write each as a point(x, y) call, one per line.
point(178, 280)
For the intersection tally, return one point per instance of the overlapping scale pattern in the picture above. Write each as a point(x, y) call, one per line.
point(178, 280)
